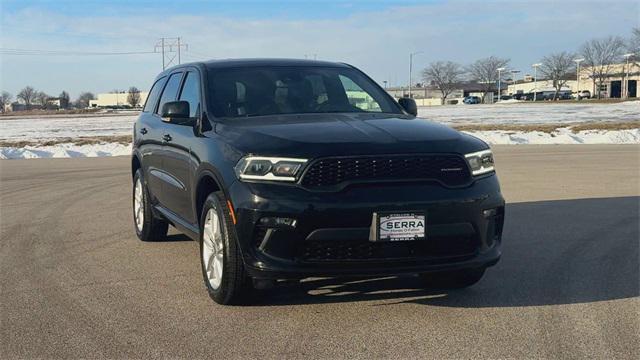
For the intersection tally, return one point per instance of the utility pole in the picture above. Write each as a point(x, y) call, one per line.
point(578, 61)
point(411, 69)
point(500, 69)
point(171, 49)
point(535, 80)
point(626, 77)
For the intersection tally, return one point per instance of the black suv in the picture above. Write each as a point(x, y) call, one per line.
point(286, 169)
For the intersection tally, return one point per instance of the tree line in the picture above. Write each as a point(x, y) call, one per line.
point(34, 99)
point(600, 55)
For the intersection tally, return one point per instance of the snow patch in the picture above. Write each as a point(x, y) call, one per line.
point(65, 150)
point(560, 136)
point(518, 113)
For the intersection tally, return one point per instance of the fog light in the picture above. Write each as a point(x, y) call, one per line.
point(278, 222)
point(489, 213)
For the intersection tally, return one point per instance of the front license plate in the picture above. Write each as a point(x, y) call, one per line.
point(400, 227)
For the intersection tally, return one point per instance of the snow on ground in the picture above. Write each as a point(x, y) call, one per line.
point(560, 136)
point(65, 150)
point(532, 113)
point(43, 128)
point(49, 128)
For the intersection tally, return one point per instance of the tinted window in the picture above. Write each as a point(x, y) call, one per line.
point(259, 91)
point(191, 92)
point(170, 90)
point(358, 97)
point(152, 99)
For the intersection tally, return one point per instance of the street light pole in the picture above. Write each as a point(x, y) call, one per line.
point(578, 61)
point(500, 69)
point(411, 69)
point(535, 80)
point(626, 76)
point(513, 76)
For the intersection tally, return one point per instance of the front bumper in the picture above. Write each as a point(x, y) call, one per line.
point(330, 237)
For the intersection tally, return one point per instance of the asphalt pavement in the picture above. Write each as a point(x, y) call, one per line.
point(76, 282)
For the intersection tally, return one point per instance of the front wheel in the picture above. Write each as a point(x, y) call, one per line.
point(220, 256)
point(453, 279)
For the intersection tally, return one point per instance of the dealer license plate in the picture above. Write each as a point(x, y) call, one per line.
point(399, 227)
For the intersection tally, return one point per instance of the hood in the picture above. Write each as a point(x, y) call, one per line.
point(317, 135)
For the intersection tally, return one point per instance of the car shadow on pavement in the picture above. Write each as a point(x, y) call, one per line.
point(176, 237)
point(554, 252)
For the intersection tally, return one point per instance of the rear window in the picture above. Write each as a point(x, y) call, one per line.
point(152, 99)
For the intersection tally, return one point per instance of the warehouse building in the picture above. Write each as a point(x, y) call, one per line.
point(615, 81)
point(115, 100)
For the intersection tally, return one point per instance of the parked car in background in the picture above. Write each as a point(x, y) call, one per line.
point(278, 172)
point(471, 100)
point(584, 94)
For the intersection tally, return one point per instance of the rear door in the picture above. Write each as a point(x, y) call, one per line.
point(149, 139)
point(178, 158)
point(160, 173)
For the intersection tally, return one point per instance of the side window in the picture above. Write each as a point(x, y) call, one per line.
point(191, 93)
point(152, 99)
point(358, 97)
point(170, 90)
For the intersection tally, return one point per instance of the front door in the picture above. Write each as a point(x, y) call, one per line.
point(633, 88)
point(616, 89)
point(179, 161)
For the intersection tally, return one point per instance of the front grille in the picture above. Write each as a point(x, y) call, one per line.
point(451, 170)
point(355, 250)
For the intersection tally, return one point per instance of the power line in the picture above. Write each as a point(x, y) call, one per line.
point(170, 49)
point(40, 52)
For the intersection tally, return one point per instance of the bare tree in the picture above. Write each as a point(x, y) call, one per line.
point(27, 95)
point(633, 45)
point(5, 99)
point(599, 56)
point(42, 98)
point(83, 99)
point(485, 72)
point(133, 97)
point(444, 75)
point(64, 99)
point(559, 68)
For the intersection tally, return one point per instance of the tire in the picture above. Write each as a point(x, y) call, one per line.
point(220, 257)
point(149, 227)
point(458, 279)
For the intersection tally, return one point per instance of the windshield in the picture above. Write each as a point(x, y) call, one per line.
point(258, 91)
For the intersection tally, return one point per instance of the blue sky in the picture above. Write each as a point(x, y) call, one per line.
point(375, 36)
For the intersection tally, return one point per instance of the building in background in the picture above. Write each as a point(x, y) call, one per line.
point(525, 87)
point(115, 100)
point(431, 96)
point(614, 82)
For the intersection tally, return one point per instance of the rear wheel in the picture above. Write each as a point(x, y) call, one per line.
point(220, 256)
point(148, 227)
point(453, 279)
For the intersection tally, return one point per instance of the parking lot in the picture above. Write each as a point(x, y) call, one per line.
point(76, 282)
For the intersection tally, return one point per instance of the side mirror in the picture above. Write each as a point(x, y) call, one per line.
point(177, 112)
point(409, 105)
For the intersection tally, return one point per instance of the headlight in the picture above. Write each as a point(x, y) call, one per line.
point(480, 162)
point(268, 168)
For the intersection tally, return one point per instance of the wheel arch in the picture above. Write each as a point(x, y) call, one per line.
point(207, 182)
point(135, 164)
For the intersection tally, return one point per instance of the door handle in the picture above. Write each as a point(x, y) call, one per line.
point(143, 131)
point(166, 137)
